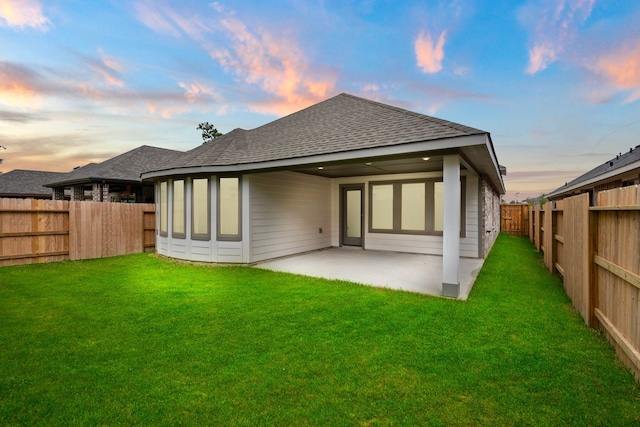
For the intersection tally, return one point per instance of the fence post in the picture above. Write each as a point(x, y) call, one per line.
point(548, 236)
point(593, 270)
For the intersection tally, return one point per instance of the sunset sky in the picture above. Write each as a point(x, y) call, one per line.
point(556, 83)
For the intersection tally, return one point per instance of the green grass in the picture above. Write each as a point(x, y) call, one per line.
point(144, 340)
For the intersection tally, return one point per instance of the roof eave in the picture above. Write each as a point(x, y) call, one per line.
point(91, 180)
point(407, 148)
point(558, 192)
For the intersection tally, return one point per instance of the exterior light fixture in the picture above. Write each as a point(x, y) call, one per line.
point(425, 158)
point(320, 168)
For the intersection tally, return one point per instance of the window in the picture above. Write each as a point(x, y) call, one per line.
point(413, 207)
point(163, 208)
point(229, 209)
point(409, 207)
point(178, 209)
point(382, 206)
point(200, 209)
point(438, 206)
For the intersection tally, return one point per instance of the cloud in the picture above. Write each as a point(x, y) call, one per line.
point(429, 53)
point(553, 24)
point(16, 117)
point(621, 69)
point(107, 67)
point(19, 85)
point(23, 13)
point(270, 60)
point(56, 153)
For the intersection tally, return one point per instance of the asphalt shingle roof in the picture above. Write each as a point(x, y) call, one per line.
point(27, 182)
point(342, 123)
point(621, 160)
point(125, 167)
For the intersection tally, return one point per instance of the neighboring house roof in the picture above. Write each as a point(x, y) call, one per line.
point(622, 163)
point(337, 129)
point(27, 183)
point(126, 167)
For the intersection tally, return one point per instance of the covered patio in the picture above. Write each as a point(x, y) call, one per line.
point(403, 271)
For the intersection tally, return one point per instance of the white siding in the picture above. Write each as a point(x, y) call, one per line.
point(424, 244)
point(288, 210)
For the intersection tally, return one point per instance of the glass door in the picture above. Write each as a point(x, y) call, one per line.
point(351, 215)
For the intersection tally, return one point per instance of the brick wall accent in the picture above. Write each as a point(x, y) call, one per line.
point(490, 217)
point(100, 190)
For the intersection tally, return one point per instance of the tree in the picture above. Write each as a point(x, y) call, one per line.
point(209, 132)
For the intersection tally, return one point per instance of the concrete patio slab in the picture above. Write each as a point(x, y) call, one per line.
point(393, 270)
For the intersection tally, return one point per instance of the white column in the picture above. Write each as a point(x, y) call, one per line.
point(451, 231)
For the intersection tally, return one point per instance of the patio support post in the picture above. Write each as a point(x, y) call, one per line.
point(451, 231)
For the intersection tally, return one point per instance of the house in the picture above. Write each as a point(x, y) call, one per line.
point(344, 172)
point(620, 171)
point(114, 180)
point(27, 184)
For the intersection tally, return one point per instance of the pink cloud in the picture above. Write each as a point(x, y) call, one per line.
point(553, 24)
point(19, 86)
point(108, 67)
point(23, 13)
point(273, 62)
point(621, 69)
point(430, 53)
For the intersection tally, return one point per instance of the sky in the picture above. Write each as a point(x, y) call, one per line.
point(555, 82)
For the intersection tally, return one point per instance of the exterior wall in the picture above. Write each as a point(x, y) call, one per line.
point(283, 214)
point(288, 210)
point(423, 244)
point(491, 217)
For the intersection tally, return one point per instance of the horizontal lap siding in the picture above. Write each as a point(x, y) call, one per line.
point(287, 211)
point(230, 252)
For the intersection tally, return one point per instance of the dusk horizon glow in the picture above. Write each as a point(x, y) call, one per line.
point(555, 82)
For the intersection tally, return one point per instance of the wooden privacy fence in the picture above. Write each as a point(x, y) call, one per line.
point(514, 219)
point(34, 231)
point(596, 250)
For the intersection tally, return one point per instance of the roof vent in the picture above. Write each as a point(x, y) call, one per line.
point(610, 163)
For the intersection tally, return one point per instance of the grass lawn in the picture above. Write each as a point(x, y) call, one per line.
point(144, 340)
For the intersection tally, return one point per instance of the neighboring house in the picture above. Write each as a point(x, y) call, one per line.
point(27, 184)
point(347, 171)
point(116, 179)
point(622, 170)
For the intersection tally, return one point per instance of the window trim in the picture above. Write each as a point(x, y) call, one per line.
point(194, 235)
point(229, 237)
point(174, 234)
point(429, 215)
point(163, 214)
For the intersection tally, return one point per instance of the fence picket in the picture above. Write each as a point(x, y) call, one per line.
point(35, 231)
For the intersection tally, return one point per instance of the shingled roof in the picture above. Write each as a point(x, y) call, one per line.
point(620, 164)
point(339, 124)
point(27, 183)
point(126, 167)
